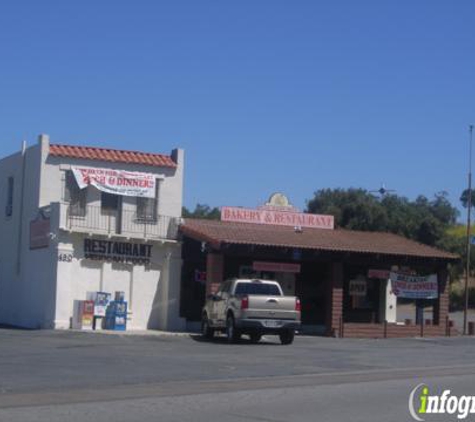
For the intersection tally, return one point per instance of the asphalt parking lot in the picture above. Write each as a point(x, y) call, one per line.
point(52, 360)
point(64, 375)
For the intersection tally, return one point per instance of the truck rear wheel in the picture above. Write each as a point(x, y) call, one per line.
point(287, 337)
point(232, 334)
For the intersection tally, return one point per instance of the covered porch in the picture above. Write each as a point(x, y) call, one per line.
point(324, 268)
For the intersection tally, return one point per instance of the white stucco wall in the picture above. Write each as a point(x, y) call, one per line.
point(148, 289)
point(170, 191)
point(36, 290)
point(27, 277)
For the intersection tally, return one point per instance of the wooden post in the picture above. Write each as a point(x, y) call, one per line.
point(214, 271)
point(441, 305)
point(334, 299)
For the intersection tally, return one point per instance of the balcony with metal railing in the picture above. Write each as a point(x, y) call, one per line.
point(94, 219)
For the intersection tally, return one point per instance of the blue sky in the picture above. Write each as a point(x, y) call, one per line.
point(264, 96)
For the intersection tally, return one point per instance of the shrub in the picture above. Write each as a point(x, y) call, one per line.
point(457, 299)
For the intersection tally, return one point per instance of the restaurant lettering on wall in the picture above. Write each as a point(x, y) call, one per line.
point(111, 251)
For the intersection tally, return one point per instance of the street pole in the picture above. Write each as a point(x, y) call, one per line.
point(469, 208)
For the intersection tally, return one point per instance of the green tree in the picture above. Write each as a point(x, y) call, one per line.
point(202, 211)
point(353, 209)
point(455, 241)
point(464, 198)
point(423, 220)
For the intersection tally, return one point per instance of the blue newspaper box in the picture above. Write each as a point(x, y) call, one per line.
point(116, 316)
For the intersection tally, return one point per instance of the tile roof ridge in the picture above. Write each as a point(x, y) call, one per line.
point(395, 235)
point(55, 144)
point(203, 224)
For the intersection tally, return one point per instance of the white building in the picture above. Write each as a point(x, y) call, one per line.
point(59, 242)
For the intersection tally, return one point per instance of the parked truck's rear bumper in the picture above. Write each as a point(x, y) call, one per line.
point(264, 325)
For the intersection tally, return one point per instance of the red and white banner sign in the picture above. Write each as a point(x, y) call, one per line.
point(118, 182)
point(276, 267)
point(414, 287)
point(278, 218)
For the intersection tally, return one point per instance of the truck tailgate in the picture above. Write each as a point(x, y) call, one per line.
point(272, 307)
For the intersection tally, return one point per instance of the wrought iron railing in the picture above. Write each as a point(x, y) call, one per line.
point(125, 222)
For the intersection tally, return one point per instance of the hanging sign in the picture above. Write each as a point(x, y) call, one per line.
point(200, 276)
point(414, 287)
point(357, 287)
point(381, 274)
point(40, 233)
point(276, 267)
point(117, 182)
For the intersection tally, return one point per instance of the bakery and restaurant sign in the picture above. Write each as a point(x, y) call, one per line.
point(117, 182)
point(277, 218)
point(112, 251)
point(278, 211)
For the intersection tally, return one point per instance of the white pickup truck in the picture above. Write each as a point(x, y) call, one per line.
point(253, 307)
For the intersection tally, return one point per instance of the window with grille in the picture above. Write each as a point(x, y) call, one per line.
point(74, 196)
point(110, 202)
point(147, 208)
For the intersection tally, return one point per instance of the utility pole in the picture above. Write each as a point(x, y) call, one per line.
point(469, 209)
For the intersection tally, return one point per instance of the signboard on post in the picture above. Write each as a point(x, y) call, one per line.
point(117, 182)
point(414, 287)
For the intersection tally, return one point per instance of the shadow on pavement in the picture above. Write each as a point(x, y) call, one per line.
point(16, 328)
point(244, 340)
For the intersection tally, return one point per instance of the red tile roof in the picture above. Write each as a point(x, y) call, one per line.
point(111, 155)
point(219, 232)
